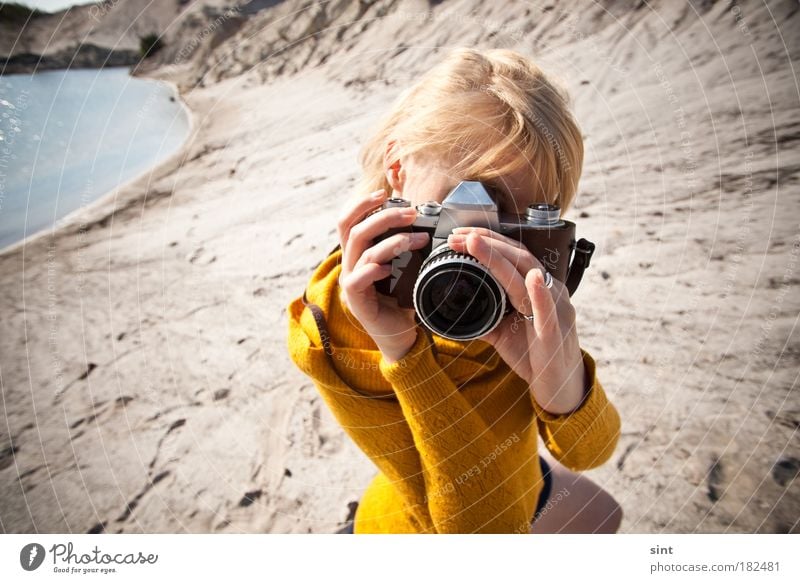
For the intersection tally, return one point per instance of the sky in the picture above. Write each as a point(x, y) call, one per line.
point(53, 5)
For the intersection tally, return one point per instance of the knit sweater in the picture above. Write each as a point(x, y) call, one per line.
point(451, 428)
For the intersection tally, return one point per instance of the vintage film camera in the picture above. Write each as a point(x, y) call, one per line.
point(453, 294)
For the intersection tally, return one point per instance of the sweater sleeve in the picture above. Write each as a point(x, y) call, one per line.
point(586, 437)
point(470, 486)
point(348, 379)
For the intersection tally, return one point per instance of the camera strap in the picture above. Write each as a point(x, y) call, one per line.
point(322, 326)
point(580, 261)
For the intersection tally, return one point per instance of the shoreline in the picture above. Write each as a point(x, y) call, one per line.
point(84, 214)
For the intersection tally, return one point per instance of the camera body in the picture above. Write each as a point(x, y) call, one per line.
point(454, 295)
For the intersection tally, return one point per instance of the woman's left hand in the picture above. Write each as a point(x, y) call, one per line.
point(545, 353)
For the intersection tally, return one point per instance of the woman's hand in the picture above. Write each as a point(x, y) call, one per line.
point(545, 352)
point(392, 328)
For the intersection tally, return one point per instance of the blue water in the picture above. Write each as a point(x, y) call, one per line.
point(68, 137)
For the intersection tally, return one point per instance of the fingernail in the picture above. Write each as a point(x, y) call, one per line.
point(456, 238)
point(463, 229)
point(379, 194)
point(419, 237)
point(476, 238)
point(409, 211)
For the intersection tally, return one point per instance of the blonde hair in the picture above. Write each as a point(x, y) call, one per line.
point(492, 112)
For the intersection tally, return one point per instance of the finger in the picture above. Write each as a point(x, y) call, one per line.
point(560, 295)
point(506, 274)
point(362, 234)
point(566, 311)
point(545, 315)
point(515, 252)
point(355, 211)
point(362, 278)
point(391, 247)
point(518, 256)
point(489, 233)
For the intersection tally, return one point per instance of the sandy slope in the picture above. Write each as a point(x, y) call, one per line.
point(145, 379)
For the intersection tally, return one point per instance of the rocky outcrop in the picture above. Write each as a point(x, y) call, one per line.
point(93, 35)
point(268, 39)
point(80, 56)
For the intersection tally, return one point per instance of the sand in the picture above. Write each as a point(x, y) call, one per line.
point(145, 378)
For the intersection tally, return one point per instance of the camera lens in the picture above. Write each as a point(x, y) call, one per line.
point(456, 297)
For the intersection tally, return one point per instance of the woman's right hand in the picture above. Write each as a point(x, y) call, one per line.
point(363, 263)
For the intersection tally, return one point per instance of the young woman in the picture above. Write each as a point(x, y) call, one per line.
point(453, 426)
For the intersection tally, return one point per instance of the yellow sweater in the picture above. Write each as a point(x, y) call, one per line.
point(451, 429)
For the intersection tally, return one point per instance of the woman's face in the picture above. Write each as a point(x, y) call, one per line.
point(423, 178)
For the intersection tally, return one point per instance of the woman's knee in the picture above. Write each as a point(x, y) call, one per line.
point(609, 514)
point(599, 512)
point(587, 508)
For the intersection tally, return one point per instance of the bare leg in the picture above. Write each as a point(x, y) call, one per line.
point(576, 504)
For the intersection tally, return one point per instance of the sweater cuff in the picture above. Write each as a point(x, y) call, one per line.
point(588, 411)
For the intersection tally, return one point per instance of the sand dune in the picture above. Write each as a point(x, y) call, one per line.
point(145, 380)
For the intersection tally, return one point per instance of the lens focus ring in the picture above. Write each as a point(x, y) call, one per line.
point(457, 297)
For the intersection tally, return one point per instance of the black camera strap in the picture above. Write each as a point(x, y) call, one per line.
point(580, 261)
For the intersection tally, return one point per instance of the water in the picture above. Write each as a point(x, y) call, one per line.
point(68, 137)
